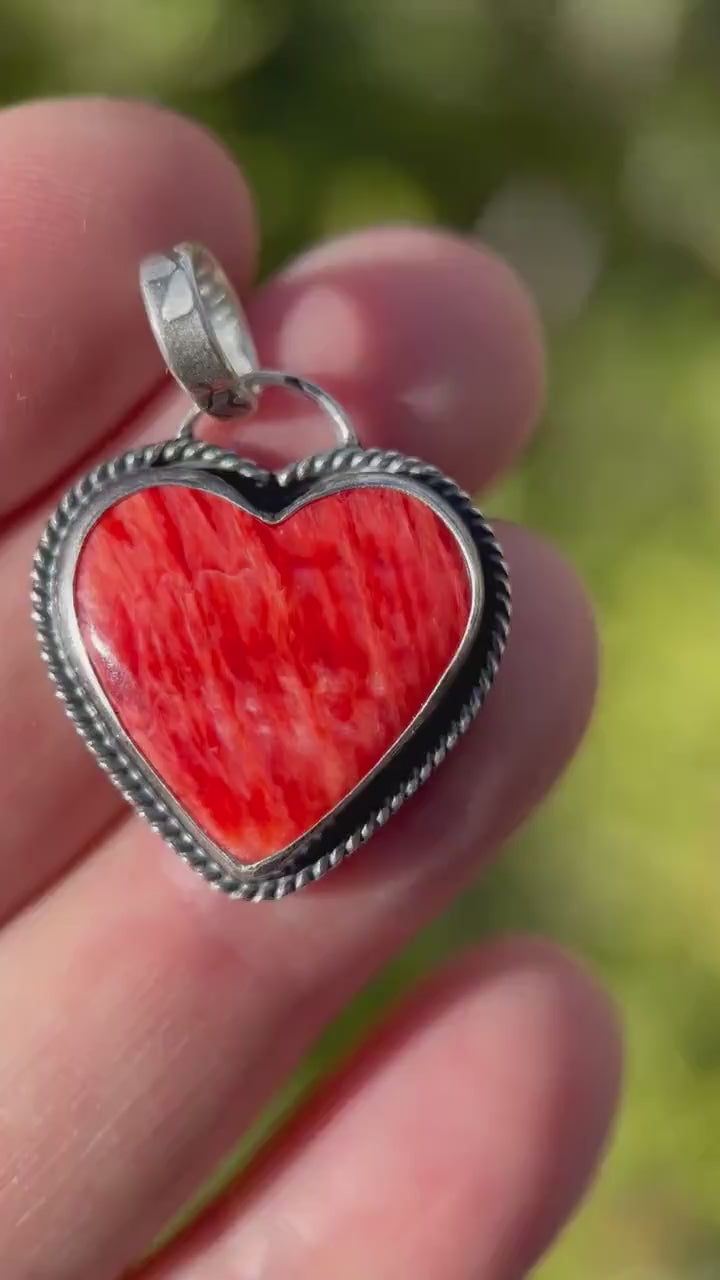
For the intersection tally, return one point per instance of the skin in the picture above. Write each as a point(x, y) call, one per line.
point(145, 1020)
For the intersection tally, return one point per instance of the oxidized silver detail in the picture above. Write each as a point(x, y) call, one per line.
point(133, 776)
point(200, 328)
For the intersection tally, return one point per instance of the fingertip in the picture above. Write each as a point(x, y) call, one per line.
point(560, 1038)
point(548, 986)
point(542, 1039)
point(87, 188)
point(465, 1132)
point(427, 336)
point(128, 165)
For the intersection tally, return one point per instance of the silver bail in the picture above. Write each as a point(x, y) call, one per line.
point(200, 327)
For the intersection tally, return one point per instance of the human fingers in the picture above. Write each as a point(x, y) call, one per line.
point(87, 187)
point(454, 1146)
point(155, 1017)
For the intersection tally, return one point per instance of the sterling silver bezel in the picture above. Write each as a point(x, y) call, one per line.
point(213, 469)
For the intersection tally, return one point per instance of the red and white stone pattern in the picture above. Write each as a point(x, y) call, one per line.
point(261, 669)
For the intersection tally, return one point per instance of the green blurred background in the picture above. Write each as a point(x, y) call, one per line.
point(582, 138)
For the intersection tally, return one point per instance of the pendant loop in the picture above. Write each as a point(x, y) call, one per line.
point(200, 328)
point(256, 382)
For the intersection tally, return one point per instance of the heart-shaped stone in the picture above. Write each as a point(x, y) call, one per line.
point(265, 665)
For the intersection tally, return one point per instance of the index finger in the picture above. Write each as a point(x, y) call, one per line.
point(87, 188)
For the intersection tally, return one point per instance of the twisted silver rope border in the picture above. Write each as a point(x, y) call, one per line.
point(100, 736)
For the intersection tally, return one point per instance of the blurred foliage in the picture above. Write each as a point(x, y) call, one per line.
point(582, 137)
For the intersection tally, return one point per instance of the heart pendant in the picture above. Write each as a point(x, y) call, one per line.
point(267, 664)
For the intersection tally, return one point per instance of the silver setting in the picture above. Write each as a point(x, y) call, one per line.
point(256, 382)
point(463, 686)
point(200, 328)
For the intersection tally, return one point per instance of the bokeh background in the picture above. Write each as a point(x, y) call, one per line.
point(582, 138)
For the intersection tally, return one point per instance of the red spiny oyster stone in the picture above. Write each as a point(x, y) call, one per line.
point(264, 669)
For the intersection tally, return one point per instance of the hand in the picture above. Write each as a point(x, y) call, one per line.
point(145, 1019)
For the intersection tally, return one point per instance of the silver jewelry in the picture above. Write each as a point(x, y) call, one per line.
point(202, 334)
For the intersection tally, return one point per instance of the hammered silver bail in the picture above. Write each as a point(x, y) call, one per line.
point(200, 327)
